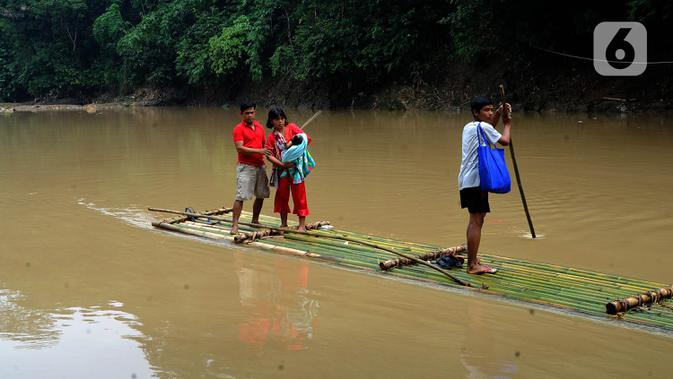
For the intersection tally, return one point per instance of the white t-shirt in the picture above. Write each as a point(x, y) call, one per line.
point(469, 166)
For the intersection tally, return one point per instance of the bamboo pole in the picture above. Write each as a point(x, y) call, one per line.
point(399, 262)
point(516, 172)
point(311, 119)
point(206, 212)
point(217, 218)
point(251, 232)
point(569, 280)
point(369, 256)
point(252, 236)
point(650, 297)
point(577, 274)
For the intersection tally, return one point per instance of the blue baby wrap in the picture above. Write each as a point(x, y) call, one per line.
point(302, 159)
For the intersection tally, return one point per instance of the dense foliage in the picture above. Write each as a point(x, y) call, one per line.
point(60, 48)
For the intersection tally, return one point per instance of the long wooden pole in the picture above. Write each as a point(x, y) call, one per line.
point(516, 172)
point(365, 243)
point(311, 119)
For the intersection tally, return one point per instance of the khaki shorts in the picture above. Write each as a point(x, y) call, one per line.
point(251, 181)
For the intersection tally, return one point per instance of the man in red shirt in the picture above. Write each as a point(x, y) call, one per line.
point(251, 179)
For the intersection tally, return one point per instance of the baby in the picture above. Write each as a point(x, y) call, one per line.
point(298, 154)
point(297, 139)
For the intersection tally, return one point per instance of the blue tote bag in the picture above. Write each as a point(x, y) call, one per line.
point(493, 174)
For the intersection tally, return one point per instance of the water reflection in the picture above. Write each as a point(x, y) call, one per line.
point(28, 328)
point(484, 359)
point(44, 343)
point(277, 307)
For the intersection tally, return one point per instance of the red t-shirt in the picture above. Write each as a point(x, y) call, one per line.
point(251, 138)
point(289, 132)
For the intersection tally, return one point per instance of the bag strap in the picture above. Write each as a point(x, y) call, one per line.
point(480, 131)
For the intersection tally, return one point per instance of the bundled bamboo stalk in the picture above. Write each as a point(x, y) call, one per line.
point(252, 236)
point(433, 255)
point(650, 297)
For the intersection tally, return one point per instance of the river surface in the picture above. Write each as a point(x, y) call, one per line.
point(88, 289)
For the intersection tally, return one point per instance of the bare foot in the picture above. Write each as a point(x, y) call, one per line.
point(233, 231)
point(255, 222)
point(301, 228)
point(479, 269)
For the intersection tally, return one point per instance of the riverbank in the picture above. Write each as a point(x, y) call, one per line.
point(43, 107)
point(573, 89)
point(551, 87)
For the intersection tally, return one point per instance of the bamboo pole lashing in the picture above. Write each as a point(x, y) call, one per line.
point(242, 237)
point(400, 262)
point(647, 298)
point(217, 218)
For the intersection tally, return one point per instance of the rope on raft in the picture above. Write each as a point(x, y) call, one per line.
point(433, 255)
point(647, 298)
point(666, 306)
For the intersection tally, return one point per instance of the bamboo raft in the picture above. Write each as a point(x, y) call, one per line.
point(628, 301)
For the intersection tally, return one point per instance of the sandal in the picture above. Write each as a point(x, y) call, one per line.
point(449, 262)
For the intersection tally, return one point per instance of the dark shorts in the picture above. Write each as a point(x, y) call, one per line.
point(475, 200)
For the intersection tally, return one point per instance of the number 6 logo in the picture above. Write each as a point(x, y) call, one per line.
point(620, 48)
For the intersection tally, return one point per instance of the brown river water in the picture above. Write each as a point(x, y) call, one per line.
point(88, 289)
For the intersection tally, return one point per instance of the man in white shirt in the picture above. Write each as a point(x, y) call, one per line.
point(471, 196)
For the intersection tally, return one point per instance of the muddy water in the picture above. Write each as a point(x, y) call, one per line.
point(88, 289)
